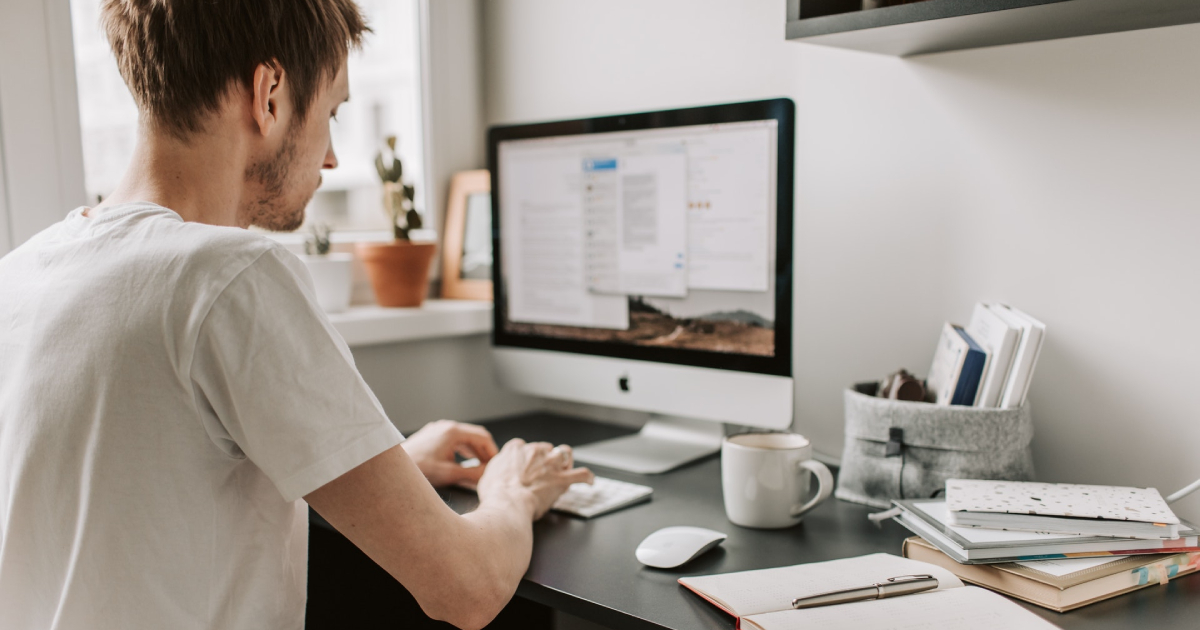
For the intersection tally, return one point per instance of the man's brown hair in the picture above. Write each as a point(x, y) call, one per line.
point(179, 57)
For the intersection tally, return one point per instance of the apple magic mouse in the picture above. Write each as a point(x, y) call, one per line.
point(672, 546)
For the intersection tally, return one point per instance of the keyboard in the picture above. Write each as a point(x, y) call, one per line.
point(602, 497)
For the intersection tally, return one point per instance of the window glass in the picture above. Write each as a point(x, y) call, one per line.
point(384, 100)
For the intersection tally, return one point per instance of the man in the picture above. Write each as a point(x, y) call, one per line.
point(170, 391)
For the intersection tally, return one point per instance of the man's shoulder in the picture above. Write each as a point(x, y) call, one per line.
point(200, 261)
point(208, 247)
point(234, 260)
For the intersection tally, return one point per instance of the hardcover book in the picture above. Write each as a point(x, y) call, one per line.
point(1029, 348)
point(999, 339)
point(958, 366)
point(1066, 584)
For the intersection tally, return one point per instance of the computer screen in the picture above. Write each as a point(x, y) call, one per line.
point(661, 237)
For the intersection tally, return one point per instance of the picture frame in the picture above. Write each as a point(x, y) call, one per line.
point(467, 248)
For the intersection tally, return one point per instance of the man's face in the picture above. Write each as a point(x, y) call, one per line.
point(281, 185)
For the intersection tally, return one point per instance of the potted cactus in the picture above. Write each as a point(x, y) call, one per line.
point(331, 273)
point(399, 270)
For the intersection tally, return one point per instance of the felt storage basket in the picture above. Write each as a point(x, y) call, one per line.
point(929, 444)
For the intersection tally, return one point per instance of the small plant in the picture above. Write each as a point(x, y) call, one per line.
point(317, 243)
point(397, 196)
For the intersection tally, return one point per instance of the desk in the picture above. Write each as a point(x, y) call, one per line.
point(586, 567)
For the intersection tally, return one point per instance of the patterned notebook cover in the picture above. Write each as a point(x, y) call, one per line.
point(1116, 503)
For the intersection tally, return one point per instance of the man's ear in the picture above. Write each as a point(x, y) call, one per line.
point(267, 95)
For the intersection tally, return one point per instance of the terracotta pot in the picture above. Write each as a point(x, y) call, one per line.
point(399, 270)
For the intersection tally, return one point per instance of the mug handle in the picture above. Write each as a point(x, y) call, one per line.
point(824, 484)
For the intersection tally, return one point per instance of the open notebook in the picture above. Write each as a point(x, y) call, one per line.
point(761, 600)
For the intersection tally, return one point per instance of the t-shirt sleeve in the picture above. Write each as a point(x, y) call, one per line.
point(274, 381)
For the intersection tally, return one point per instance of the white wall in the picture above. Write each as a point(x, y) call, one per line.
point(1057, 176)
point(418, 382)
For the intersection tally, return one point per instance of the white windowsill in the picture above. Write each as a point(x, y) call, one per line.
point(372, 325)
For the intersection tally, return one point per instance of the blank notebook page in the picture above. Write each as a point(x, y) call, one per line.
point(967, 607)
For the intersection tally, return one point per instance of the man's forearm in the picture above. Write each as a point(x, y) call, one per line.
point(504, 544)
point(460, 569)
point(483, 556)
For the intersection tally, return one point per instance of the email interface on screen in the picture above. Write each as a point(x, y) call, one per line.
point(659, 237)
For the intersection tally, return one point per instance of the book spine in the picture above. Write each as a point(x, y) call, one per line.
point(947, 365)
point(1166, 569)
point(999, 339)
point(1021, 374)
point(974, 365)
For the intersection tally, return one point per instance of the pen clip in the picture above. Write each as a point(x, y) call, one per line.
point(903, 579)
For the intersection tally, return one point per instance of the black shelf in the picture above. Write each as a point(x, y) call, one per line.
point(943, 25)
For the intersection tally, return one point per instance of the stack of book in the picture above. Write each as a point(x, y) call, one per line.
point(1060, 546)
point(990, 362)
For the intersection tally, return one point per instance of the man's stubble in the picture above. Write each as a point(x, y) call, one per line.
point(269, 209)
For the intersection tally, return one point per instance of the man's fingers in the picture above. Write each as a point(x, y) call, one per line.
point(470, 475)
point(578, 475)
point(478, 438)
point(561, 456)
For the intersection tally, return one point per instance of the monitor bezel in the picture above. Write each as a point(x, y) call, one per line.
point(782, 110)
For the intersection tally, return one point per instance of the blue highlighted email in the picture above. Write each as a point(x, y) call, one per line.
point(599, 164)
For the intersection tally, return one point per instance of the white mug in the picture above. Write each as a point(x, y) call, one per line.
point(764, 477)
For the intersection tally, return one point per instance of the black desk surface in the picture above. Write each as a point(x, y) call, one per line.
point(586, 567)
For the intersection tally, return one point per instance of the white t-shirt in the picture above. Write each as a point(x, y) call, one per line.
point(168, 393)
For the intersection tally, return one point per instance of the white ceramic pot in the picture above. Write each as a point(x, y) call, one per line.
point(332, 279)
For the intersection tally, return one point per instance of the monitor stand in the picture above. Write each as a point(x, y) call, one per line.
point(664, 443)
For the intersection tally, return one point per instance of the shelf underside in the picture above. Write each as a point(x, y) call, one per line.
point(944, 25)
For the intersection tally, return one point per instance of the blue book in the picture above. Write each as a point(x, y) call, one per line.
point(973, 365)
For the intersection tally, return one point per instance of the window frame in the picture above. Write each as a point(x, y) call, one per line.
point(38, 94)
point(37, 98)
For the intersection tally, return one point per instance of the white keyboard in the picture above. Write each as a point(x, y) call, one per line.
point(602, 497)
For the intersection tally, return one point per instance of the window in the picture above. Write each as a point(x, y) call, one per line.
point(385, 87)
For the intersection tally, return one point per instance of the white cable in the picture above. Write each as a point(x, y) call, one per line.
point(1194, 486)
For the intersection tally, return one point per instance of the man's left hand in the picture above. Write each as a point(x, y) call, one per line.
point(434, 446)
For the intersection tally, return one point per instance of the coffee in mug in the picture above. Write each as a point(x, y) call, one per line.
point(765, 479)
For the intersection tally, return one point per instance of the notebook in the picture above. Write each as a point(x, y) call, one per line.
point(1066, 584)
point(1061, 508)
point(929, 519)
point(958, 365)
point(999, 339)
point(761, 600)
point(1029, 347)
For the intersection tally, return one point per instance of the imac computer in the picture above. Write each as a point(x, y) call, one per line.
point(644, 261)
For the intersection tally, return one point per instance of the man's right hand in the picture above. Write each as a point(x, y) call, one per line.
point(530, 474)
